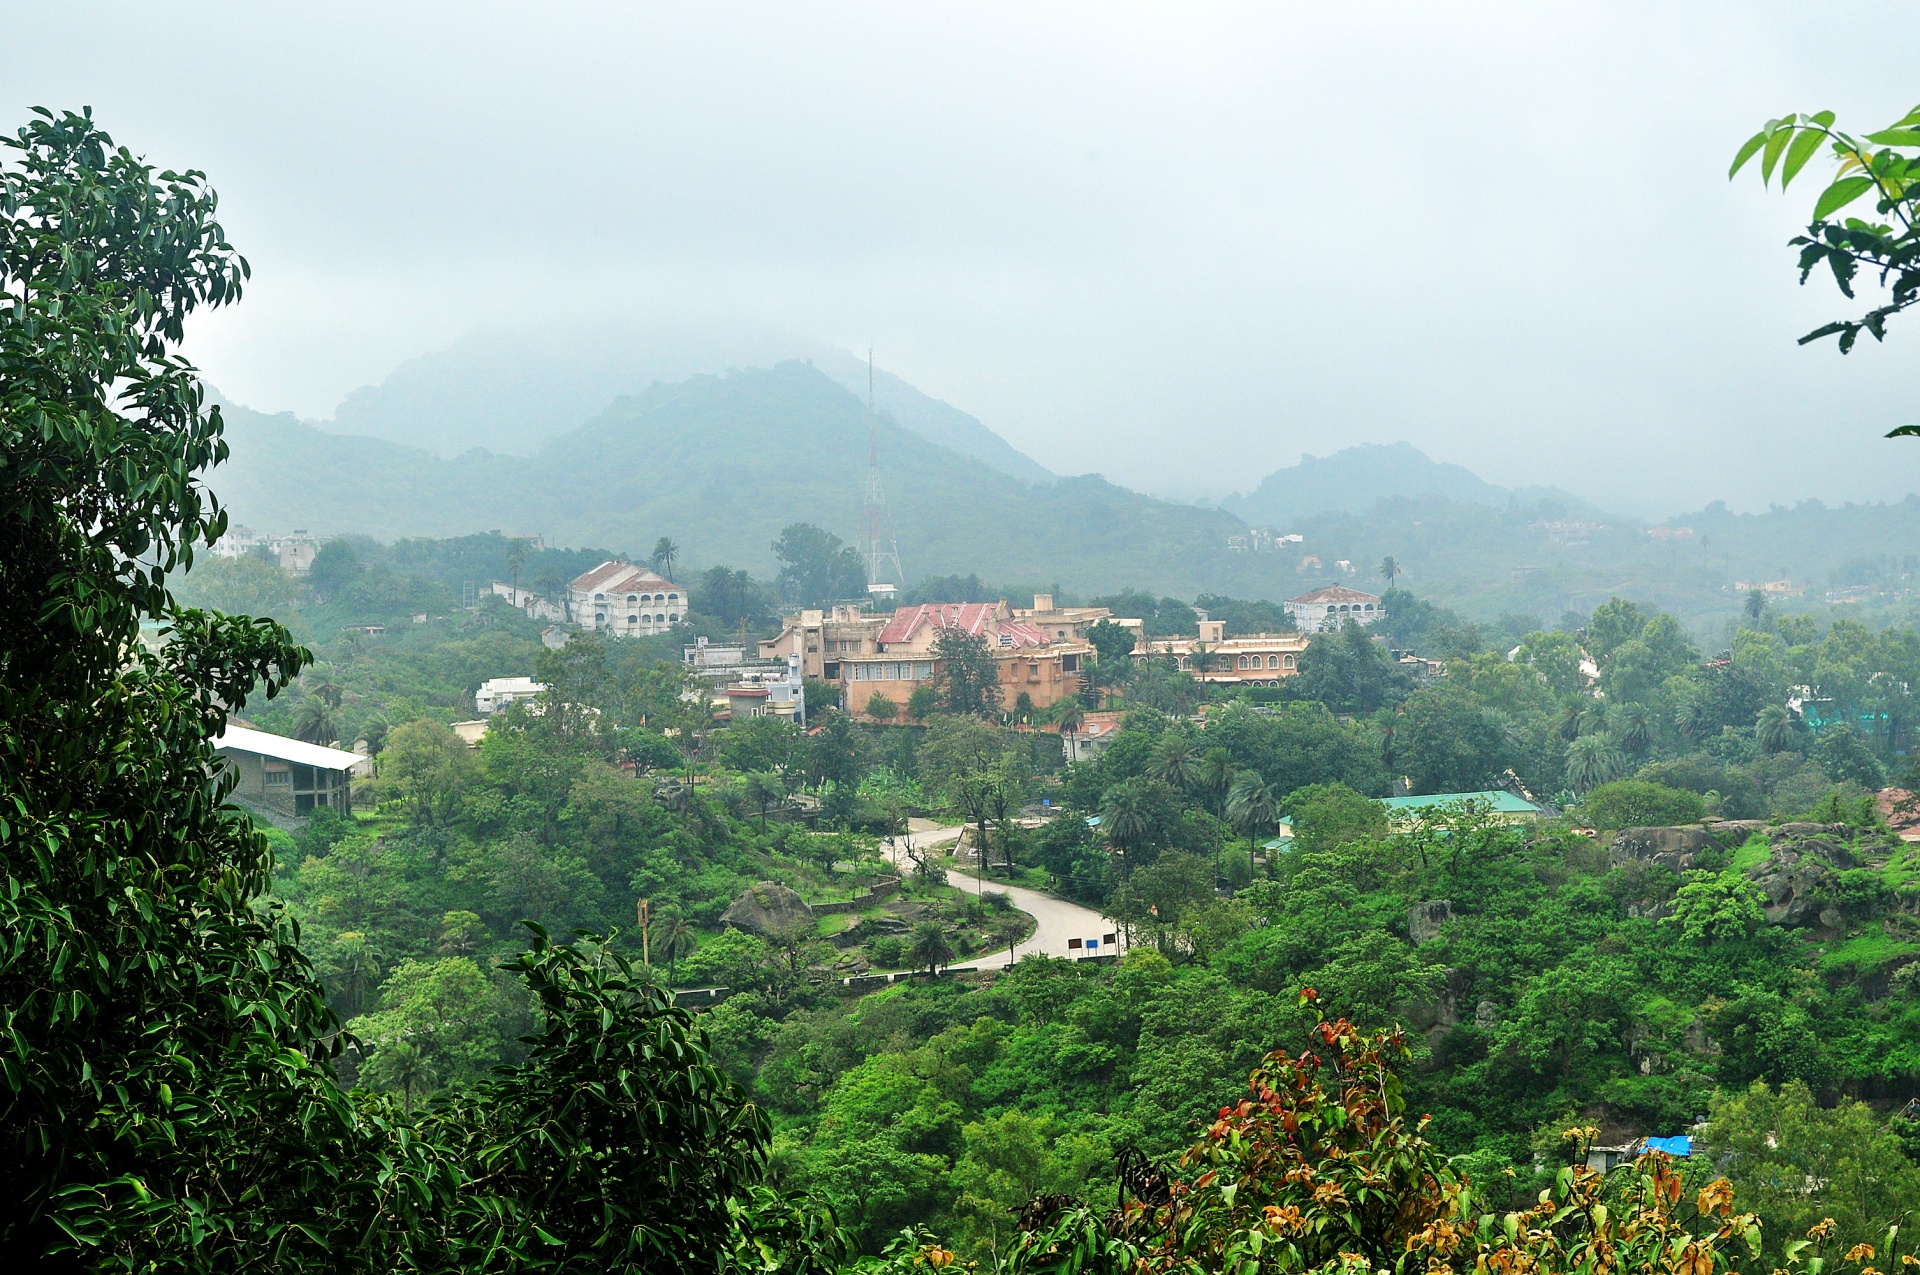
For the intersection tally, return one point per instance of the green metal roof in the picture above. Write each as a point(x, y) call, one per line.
point(1504, 803)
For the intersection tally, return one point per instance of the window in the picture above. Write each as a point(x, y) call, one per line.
point(1069, 664)
point(1242, 662)
point(279, 778)
point(1033, 672)
point(599, 597)
point(672, 598)
point(922, 670)
point(1286, 661)
point(1273, 661)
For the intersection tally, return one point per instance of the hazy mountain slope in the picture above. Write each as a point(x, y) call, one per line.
point(1352, 480)
point(511, 392)
point(285, 475)
point(721, 463)
point(931, 418)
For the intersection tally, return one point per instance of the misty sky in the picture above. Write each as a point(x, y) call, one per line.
point(1179, 245)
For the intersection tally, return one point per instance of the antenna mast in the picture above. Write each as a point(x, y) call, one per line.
point(881, 550)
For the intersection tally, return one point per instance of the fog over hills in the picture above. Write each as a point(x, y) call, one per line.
point(509, 392)
point(722, 462)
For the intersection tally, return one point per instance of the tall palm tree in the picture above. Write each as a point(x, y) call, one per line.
point(1632, 725)
point(930, 948)
point(1123, 817)
point(1580, 717)
point(673, 938)
point(1251, 808)
point(1593, 760)
point(316, 724)
point(1067, 714)
point(1755, 607)
point(1175, 762)
point(1216, 777)
point(1774, 728)
point(1390, 569)
point(665, 555)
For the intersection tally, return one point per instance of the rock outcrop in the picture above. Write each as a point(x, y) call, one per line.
point(1424, 920)
point(772, 911)
point(1673, 848)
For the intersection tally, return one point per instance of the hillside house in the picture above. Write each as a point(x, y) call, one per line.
point(1030, 662)
point(497, 693)
point(1063, 624)
point(1505, 807)
point(286, 776)
point(625, 600)
point(822, 638)
point(1250, 659)
point(1329, 608)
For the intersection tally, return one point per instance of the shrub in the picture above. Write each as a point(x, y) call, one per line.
point(1635, 803)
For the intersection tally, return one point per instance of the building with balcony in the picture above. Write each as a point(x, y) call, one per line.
point(625, 600)
point(1250, 659)
point(1333, 606)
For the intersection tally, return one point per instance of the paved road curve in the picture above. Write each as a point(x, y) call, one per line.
point(1055, 920)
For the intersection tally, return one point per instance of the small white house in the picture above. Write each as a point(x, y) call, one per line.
point(496, 693)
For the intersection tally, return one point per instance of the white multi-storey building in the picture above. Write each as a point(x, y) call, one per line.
point(621, 598)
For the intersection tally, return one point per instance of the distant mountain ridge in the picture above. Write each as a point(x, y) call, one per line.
point(721, 463)
point(1353, 480)
point(509, 392)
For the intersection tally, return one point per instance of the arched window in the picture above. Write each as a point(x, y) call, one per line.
point(672, 599)
point(1286, 662)
point(1273, 661)
point(599, 597)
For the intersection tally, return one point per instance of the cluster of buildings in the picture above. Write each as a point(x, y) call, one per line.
point(292, 552)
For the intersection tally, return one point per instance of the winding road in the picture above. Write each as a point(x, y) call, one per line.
point(1056, 921)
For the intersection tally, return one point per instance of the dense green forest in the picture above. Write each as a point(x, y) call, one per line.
point(1554, 974)
point(452, 1029)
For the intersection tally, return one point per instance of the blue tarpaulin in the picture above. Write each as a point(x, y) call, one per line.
point(1676, 1146)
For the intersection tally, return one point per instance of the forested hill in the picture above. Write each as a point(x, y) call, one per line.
point(722, 463)
point(512, 391)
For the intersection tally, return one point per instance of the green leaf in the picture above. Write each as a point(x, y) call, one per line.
point(1895, 137)
point(1839, 195)
point(1746, 153)
point(1905, 431)
point(1799, 153)
point(1771, 156)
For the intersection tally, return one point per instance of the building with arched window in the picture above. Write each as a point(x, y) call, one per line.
point(625, 600)
point(1246, 659)
point(1333, 606)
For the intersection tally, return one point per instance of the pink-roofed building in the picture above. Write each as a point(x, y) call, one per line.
point(1031, 662)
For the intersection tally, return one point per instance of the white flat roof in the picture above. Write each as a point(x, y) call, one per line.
point(279, 747)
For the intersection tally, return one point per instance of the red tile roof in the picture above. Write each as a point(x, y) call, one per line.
point(621, 577)
point(1335, 593)
point(969, 617)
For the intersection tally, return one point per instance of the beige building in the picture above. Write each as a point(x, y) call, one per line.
point(1253, 659)
point(1060, 623)
point(1030, 662)
point(625, 600)
point(823, 638)
point(286, 776)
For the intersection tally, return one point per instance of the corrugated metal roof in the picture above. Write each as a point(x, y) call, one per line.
point(280, 748)
point(1504, 803)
